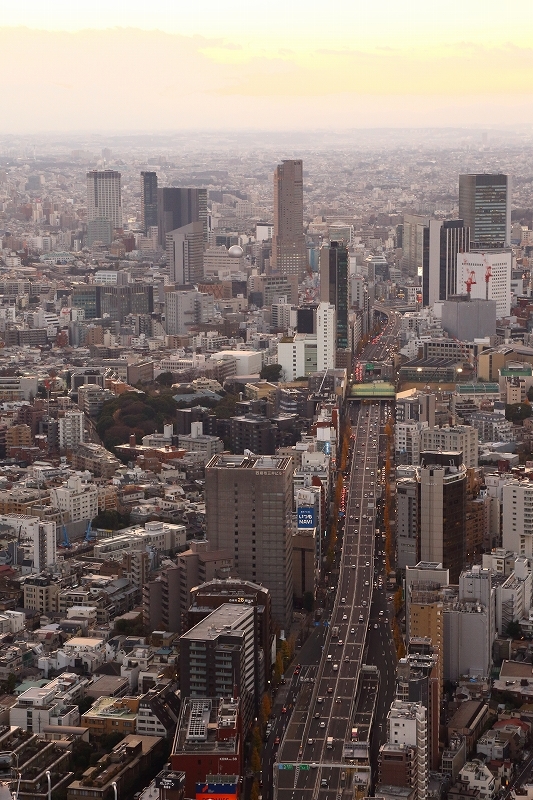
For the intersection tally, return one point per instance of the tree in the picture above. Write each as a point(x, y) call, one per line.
point(514, 630)
point(255, 761)
point(271, 372)
point(516, 412)
point(254, 794)
point(266, 708)
point(165, 379)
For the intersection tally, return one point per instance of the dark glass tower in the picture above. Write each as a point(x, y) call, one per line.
point(334, 286)
point(485, 207)
point(179, 207)
point(148, 200)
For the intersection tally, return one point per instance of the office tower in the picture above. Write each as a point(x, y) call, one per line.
point(104, 200)
point(325, 337)
point(485, 207)
point(187, 307)
point(148, 200)
point(185, 253)
point(488, 273)
point(469, 626)
point(218, 656)
point(289, 253)
point(249, 506)
point(177, 208)
point(407, 522)
point(415, 243)
point(447, 239)
point(462, 438)
point(99, 230)
point(117, 302)
point(334, 287)
point(442, 515)
point(408, 726)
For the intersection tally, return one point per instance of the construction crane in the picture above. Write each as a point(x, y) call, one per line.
point(90, 535)
point(470, 281)
point(66, 543)
point(488, 276)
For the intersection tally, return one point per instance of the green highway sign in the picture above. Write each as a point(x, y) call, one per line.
point(286, 766)
point(370, 367)
point(304, 766)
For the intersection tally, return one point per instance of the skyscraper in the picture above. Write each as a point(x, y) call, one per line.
point(439, 269)
point(148, 200)
point(442, 514)
point(179, 207)
point(485, 207)
point(289, 253)
point(249, 506)
point(185, 253)
point(334, 287)
point(104, 199)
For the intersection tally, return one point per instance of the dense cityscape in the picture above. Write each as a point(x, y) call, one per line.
point(266, 466)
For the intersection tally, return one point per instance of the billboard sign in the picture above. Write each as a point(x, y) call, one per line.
point(306, 517)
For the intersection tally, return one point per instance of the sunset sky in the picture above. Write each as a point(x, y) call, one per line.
point(173, 64)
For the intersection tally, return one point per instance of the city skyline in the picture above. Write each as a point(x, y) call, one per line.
point(386, 64)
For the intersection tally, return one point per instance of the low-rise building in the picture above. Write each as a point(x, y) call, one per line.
point(111, 715)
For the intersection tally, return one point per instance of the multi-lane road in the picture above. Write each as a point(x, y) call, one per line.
point(315, 757)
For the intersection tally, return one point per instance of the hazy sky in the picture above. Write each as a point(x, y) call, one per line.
point(169, 64)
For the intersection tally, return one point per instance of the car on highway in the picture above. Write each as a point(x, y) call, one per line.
point(283, 710)
point(340, 641)
point(310, 742)
point(375, 625)
point(277, 740)
point(320, 699)
point(352, 630)
point(344, 617)
point(322, 724)
point(361, 618)
point(381, 613)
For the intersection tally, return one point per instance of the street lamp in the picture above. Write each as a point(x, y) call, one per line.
point(115, 789)
point(49, 779)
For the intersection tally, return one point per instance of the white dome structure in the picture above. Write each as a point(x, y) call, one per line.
point(235, 251)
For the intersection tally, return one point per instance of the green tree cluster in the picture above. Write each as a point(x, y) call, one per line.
point(132, 413)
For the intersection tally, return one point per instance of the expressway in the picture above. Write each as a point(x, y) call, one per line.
point(381, 348)
point(315, 757)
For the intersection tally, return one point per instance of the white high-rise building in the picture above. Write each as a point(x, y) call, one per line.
point(518, 517)
point(185, 253)
point(104, 199)
point(71, 429)
point(408, 725)
point(478, 265)
point(326, 337)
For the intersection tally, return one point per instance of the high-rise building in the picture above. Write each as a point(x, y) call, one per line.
point(407, 521)
point(44, 545)
point(71, 429)
point(442, 515)
point(249, 503)
point(289, 252)
point(186, 307)
point(447, 238)
point(117, 302)
point(334, 287)
point(148, 200)
point(104, 199)
point(218, 655)
point(325, 337)
point(488, 273)
point(518, 517)
point(485, 207)
point(415, 243)
point(408, 726)
point(177, 208)
point(185, 253)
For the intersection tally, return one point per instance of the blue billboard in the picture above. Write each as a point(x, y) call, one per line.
point(306, 517)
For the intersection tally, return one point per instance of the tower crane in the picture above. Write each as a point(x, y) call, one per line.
point(488, 276)
point(470, 281)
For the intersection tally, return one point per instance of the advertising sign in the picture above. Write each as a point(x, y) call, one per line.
point(306, 517)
